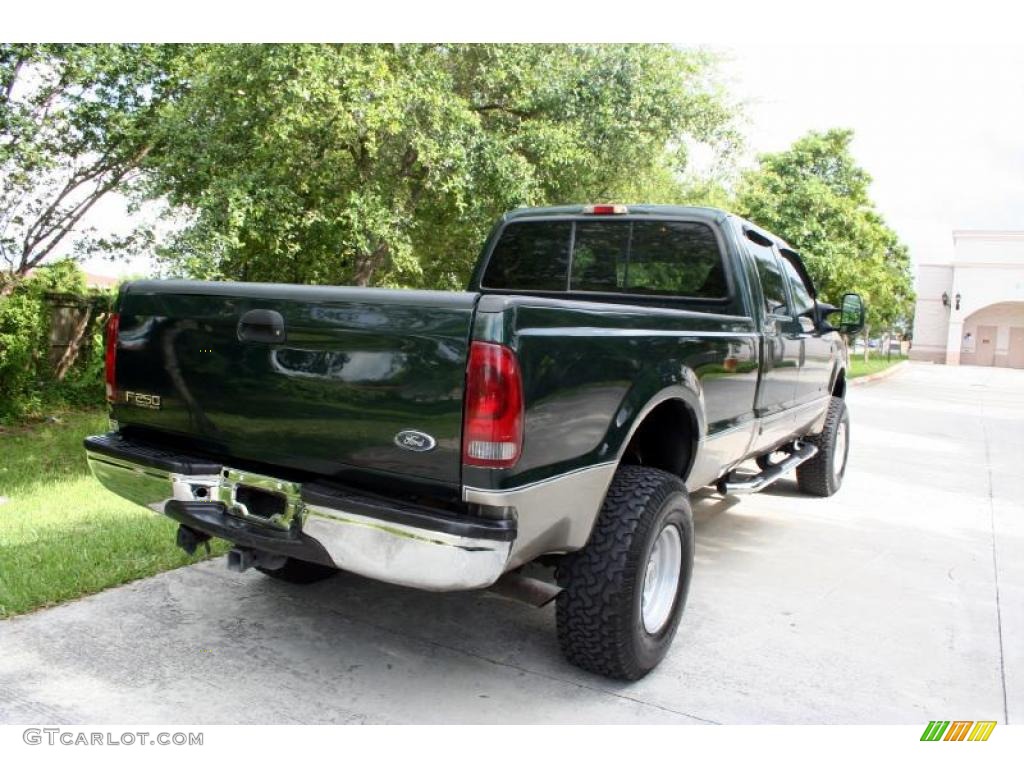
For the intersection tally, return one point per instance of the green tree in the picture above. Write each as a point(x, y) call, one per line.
point(816, 196)
point(75, 125)
point(385, 164)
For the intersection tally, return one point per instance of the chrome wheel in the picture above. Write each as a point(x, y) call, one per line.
point(839, 451)
point(661, 579)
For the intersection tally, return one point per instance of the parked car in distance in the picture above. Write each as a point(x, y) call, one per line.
point(604, 362)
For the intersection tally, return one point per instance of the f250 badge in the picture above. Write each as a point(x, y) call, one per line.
point(414, 440)
point(142, 400)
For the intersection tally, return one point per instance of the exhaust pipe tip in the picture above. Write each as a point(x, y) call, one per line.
point(525, 589)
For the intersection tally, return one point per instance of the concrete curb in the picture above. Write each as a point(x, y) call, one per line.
point(880, 375)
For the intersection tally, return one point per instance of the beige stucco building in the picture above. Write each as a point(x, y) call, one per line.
point(970, 311)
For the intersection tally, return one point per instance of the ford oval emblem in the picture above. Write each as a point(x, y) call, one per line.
point(414, 440)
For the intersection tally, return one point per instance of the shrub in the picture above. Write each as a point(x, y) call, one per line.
point(28, 382)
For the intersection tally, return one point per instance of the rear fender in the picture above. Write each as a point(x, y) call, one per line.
point(638, 405)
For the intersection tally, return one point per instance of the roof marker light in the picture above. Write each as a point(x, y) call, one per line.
point(605, 210)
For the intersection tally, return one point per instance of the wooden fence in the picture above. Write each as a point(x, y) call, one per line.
point(73, 320)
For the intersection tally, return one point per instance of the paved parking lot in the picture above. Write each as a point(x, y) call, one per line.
point(900, 600)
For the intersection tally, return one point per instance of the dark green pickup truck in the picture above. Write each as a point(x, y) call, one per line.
point(605, 361)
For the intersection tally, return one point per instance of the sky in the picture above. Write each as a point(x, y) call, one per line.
point(939, 128)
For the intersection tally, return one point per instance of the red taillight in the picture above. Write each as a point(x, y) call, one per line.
point(110, 354)
point(492, 434)
point(606, 210)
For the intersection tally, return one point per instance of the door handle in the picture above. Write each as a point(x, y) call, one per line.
point(263, 326)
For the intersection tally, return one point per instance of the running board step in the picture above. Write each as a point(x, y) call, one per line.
point(798, 454)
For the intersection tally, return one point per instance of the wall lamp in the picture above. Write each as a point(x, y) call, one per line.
point(958, 300)
point(945, 299)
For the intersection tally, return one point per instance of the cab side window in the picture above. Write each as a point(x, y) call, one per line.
point(803, 304)
point(773, 283)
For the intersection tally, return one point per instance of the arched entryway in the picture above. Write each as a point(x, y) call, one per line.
point(994, 336)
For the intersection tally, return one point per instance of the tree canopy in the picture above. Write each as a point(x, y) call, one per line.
point(816, 196)
point(385, 164)
point(76, 123)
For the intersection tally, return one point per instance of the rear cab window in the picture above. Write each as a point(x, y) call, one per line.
point(531, 256)
point(667, 259)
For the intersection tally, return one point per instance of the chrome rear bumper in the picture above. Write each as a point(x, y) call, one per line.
point(380, 539)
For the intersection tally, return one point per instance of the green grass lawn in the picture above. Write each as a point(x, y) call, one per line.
point(62, 535)
point(874, 364)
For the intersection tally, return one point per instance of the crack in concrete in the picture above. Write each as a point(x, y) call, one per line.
point(995, 562)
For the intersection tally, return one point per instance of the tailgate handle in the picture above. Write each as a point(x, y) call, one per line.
point(262, 325)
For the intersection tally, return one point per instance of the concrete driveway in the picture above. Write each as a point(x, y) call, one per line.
point(900, 600)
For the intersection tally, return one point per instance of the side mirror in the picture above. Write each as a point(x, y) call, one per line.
point(851, 317)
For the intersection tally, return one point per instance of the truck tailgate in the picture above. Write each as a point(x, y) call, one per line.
point(350, 370)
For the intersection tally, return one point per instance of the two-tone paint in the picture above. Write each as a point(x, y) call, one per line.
point(326, 395)
point(597, 366)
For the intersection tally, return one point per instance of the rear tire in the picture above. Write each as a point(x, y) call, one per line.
point(299, 572)
point(823, 475)
point(624, 592)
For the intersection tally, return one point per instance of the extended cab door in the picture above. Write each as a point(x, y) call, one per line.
point(816, 358)
point(781, 352)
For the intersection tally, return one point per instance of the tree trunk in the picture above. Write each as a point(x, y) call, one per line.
point(368, 263)
point(867, 349)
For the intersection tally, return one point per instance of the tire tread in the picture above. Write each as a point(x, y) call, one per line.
point(595, 607)
point(814, 477)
